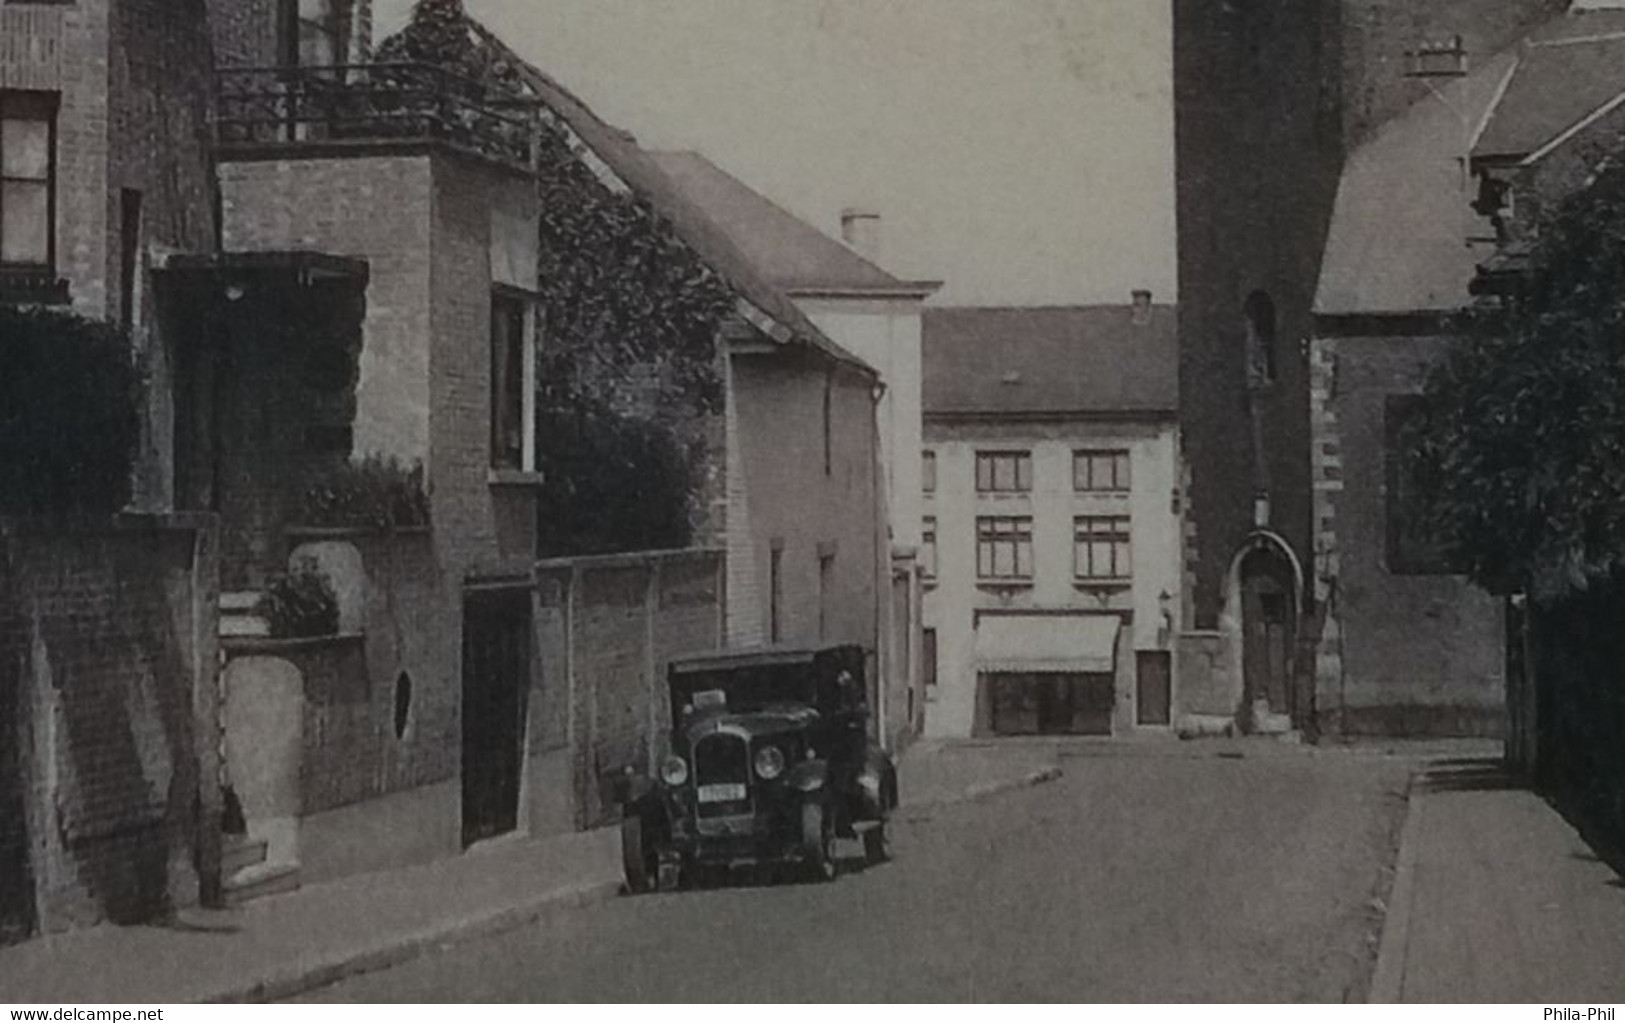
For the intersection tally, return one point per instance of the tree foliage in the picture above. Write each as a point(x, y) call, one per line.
point(69, 415)
point(1523, 438)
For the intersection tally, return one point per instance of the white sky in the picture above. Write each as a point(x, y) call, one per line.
point(1021, 150)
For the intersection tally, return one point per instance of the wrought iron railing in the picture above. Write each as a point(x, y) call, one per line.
point(372, 103)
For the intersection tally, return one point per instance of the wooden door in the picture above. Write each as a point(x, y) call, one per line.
point(1154, 702)
point(1267, 642)
point(496, 678)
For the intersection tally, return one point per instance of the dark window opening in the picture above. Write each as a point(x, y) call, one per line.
point(928, 548)
point(928, 656)
point(1004, 472)
point(1414, 547)
point(775, 595)
point(403, 704)
point(1262, 344)
point(28, 181)
point(1004, 549)
point(826, 593)
point(507, 382)
point(314, 32)
point(129, 253)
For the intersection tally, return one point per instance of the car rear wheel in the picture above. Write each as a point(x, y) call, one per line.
point(818, 841)
point(876, 844)
point(637, 856)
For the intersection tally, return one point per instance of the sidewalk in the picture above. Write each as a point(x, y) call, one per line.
point(1497, 899)
point(281, 946)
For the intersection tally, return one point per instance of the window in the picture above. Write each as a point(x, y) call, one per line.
point(929, 654)
point(1413, 548)
point(512, 406)
point(27, 180)
point(1004, 549)
point(1100, 472)
point(775, 594)
point(313, 32)
point(826, 592)
point(928, 472)
point(1100, 548)
point(928, 548)
point(1004, 472)
point(129, 254)
point(1259, 312)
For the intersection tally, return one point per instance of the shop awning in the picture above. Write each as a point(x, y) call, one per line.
point(1082, 644)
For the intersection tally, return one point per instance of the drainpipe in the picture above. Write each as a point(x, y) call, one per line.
point(882, 562)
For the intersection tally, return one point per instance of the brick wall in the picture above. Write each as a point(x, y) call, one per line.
point(108, 668)
point(1399, 654)
point(606, 628)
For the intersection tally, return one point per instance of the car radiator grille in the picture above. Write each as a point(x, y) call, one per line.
point(722, 760)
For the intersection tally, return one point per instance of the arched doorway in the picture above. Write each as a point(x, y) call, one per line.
point(1265, 585)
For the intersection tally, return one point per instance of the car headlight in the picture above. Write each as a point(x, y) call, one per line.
point(769, 762)
point(674, 771)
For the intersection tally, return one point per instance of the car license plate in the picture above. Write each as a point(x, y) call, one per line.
point(722, 793)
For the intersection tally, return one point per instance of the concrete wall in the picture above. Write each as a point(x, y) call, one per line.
point(801, 509)
point(606, 629)
point(886, 335)
point(952, 601)
point(107, 665)
point(1400, 654)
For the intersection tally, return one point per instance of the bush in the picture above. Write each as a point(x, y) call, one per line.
point(374, 493)
point(302, 605)
point(69, 415)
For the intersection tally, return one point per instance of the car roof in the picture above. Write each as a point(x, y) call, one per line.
point(754, 657)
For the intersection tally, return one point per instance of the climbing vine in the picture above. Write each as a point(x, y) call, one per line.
point(629, 370)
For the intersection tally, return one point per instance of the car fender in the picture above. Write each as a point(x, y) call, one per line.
point(809, 776)
point(877, 785)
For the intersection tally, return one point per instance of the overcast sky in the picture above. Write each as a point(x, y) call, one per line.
point(1021, 150)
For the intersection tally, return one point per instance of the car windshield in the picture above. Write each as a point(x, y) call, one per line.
point(745, 689)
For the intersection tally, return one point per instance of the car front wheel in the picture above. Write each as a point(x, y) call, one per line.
point(818, 841)
point(876, 844)
point(637, 856)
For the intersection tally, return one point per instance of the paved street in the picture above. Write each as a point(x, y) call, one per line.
point(1134, 878)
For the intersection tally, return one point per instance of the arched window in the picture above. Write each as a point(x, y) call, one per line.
point(1259, 312)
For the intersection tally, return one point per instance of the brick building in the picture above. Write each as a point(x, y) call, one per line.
point(1051, 524)
point(1269, 97)
point(1443, 189)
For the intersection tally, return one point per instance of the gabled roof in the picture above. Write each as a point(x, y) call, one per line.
point(1050, 361)
point(1568, 70)
point(618, 151)
point(793, 254)
point(1398, 241)
point(1403, 237)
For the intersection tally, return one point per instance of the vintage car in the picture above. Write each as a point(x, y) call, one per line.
point(771, 761)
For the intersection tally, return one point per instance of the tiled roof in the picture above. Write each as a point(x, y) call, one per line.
point(792, 253)
point(1054, 360)
point(1567, 71)
point(1399, 235)
point(619, 151)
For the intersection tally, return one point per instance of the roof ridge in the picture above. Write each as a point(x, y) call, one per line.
point(770, 201)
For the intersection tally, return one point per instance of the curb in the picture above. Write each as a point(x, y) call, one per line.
point(983, 790)
point(1388, 979)
point(395, 950)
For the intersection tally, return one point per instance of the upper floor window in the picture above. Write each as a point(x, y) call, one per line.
point(512, 401)
point(928, 472)
point(313, 32)
point(1259, 312)
point(1004, 472)
point(1101, 550)
point(28, 180)
point(928, 548)
point(1414, 547)
point(1004, 549)
point(1100, 471)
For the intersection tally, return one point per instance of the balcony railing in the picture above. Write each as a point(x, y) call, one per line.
point(370, 103)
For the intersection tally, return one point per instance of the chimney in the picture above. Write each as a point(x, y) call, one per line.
point(860, 229)
point(1142, 307)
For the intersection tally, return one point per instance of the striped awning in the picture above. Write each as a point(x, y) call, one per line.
point(1082, 644)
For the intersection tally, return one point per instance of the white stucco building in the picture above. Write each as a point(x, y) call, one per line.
point(873, 315)
point(1051, 527)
